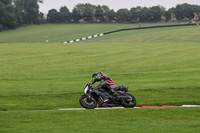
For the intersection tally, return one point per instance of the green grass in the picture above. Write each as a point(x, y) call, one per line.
point(56, 32)
point(61, 32)
point(166, 34)
point(57, 72)
point(102, 121)
point(160, 67)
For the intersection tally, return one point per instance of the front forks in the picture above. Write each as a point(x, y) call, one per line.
point(90, 97)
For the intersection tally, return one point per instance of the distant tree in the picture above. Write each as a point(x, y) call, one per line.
point(111, 15)
point(169, 13)
point(99, 14)
point(53, 16)
point(163, 10)
point(42, 19)
point(86, 11)
point(41, 15)
point(65, 15)
point(179, 12)
point(123, 15)
point(196, 10)
point(31, 12)
point(8, 19)
point(27, 10)
point(19, 9)
point(185, 11)
point(106, 12)
point(76, 15)
point(6, 2)
point(13, 13)
point(1, 27)
point(89, 11)
point(40, 1)
point(155, 13)
point(105, 8)
point(143, 14)
point(188, 11)
point(133, 14)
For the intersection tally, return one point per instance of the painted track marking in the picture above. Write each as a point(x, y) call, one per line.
point(163, 106)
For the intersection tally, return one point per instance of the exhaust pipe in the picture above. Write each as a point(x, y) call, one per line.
point(122, 97)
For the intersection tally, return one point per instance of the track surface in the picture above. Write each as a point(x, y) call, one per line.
point(101, 39)
point(107, 38)
point(164, 106)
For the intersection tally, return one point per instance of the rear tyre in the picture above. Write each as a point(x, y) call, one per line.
point(86, 103)
point(129, 103)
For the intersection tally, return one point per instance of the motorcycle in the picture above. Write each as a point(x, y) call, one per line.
point(93, 97)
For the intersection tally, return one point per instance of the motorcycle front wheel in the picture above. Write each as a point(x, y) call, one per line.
point(86, 103)
point(129, 103)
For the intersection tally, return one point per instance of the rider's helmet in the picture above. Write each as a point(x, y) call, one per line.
point(97, 75)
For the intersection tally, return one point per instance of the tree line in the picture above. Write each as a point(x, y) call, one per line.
point(14, 13)
point(91, 13)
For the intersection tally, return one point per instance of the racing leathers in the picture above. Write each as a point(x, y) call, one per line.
point(107, 83)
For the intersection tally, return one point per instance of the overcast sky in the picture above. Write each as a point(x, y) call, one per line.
point(113, 4)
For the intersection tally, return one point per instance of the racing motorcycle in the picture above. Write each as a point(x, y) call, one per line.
point(91, 98)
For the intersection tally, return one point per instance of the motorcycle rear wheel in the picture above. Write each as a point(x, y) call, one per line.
point(88, 104)
point(129, 104)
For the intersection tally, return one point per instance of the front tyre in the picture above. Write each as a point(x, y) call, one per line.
point(129, 103)
point(86, 103)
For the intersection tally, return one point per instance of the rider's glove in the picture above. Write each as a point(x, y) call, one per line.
point(94, 81)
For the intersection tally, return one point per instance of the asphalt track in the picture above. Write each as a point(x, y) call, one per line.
point(163, 106)
point(101, 39)
point(141, 28)
point(113, 37)
point(107, 38)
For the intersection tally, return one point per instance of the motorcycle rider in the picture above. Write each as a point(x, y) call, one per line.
point(106, 82)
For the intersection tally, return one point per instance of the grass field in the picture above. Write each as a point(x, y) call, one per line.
point(160, 67)
point(184, 120)
point(61, 32)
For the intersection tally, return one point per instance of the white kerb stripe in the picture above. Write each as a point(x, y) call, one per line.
point(89, 37)
point(190, 106)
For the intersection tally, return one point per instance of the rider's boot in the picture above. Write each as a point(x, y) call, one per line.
point(105, 97)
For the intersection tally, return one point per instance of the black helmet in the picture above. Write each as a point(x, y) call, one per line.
point(97, 75)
